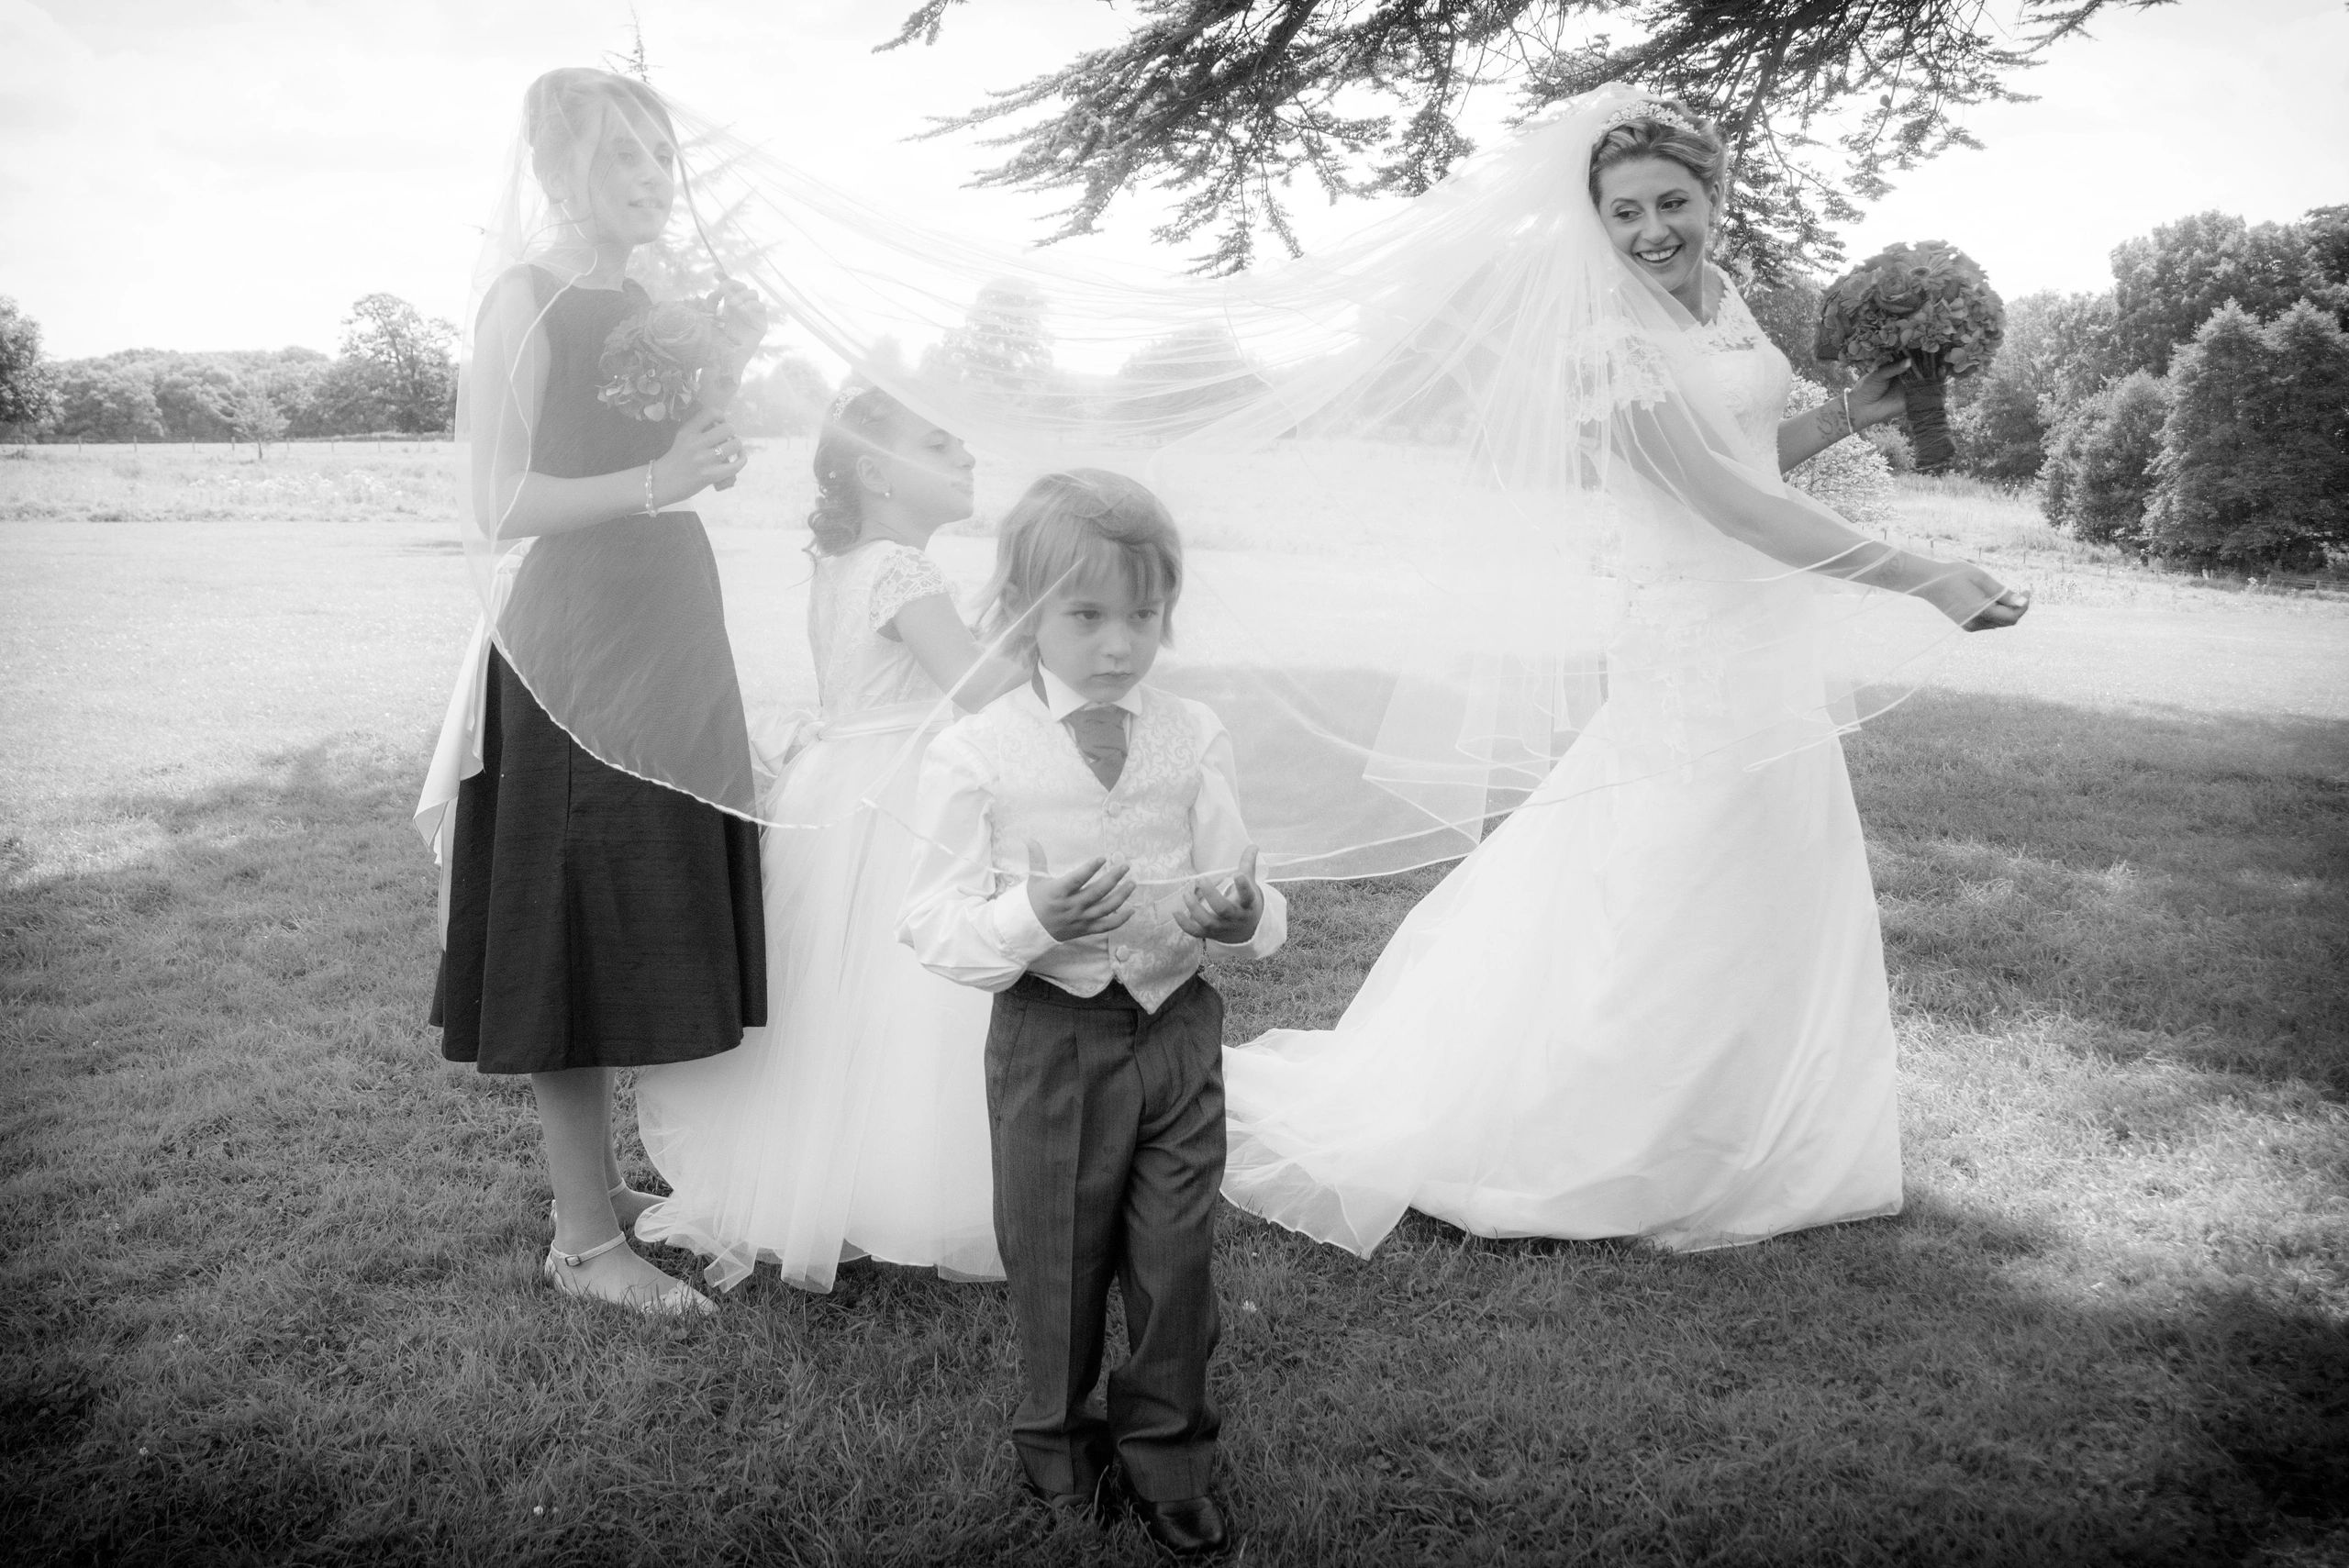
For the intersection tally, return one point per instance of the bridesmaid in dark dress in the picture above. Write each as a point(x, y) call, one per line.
point(596, 919)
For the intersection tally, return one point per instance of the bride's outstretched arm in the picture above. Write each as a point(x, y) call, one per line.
point(1664, 444)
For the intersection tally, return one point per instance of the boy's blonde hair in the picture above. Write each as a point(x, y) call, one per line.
point(1079, 526)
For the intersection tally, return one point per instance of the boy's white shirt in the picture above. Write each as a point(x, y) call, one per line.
point(964, 923)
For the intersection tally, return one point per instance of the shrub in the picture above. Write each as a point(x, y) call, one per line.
point(2065, 439)
point(1850, 476)
point(2001, 431)
point(2254, 473)
point(1892, 442)
point(2117, 468)
point(2101, 458)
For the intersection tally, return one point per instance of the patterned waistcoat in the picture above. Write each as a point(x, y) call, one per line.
point(1044, 792)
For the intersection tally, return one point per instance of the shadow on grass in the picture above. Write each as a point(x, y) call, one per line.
point(2172, 880)
point(268, 1276)
point(1885, 1392)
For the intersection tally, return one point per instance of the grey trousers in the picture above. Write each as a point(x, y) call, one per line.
point(1109, 1158)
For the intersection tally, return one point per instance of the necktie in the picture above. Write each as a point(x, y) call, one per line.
point(1100, 734)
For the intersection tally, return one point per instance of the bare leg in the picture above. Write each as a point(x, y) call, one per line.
point(575, 1120)
point(628, 1204)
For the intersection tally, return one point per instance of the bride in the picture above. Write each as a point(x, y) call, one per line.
point(1653, 1002)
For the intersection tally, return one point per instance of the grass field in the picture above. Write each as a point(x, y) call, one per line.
point(268, 1287)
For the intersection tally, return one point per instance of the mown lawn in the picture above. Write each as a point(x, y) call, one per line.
point(268, 1291)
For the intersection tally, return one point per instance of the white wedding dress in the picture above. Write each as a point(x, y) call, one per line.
point(856, 1122)
point(1653, 1002)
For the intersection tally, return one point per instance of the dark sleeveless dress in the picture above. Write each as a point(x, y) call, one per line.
point(596, 919)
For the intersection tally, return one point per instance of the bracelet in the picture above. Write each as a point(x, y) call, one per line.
point(650, 510)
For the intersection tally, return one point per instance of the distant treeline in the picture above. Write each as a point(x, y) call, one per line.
point(397, 375)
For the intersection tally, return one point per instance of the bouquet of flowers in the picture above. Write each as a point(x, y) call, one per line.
point(1927, 302)
point(663, 362)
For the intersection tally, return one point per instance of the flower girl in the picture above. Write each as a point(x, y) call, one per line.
point(856, 1123)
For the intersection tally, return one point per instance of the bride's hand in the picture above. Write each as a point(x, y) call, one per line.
point(2003, 611)
point(1975, 600)
point(1878, 397)
point(706, 451)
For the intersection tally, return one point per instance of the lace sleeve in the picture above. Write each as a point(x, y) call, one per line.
point(909, 575)
point(1611, 368)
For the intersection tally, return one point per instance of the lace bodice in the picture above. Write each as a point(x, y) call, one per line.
point(854, 599)
point(1751, 375)
point(1679, 682)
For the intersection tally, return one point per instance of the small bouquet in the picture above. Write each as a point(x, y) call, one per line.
point(665, 360)
point(1927, 302)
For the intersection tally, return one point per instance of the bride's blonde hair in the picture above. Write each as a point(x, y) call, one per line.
point(1674, 131)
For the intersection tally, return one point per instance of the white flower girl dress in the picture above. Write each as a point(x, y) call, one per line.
point(854, 1123)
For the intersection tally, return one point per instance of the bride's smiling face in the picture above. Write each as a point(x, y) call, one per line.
point(1657, 212)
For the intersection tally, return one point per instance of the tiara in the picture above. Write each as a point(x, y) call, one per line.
point(850, 390)
point(1646, 109)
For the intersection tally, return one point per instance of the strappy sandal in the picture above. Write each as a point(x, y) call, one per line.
point(672, 1299)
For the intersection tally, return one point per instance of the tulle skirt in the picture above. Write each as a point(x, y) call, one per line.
point(856, 1123)
point(1647, 1005)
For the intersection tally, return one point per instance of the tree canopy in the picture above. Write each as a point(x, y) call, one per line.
point(2254, 465)
point(26, 389)
point(2165, 285)
point(1227, 101)
point(407, 363)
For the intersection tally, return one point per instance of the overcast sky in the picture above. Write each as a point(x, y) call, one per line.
point(232, 174)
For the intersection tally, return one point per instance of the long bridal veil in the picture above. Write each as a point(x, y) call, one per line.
point(1442, 486)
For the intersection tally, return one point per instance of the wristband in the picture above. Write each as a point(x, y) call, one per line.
point(650, 510)
point(1849, 427)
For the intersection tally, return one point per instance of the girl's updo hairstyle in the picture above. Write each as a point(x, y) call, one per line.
point(859, 424)
point(562, 110)
point(1079, 526)
point(1674, 131)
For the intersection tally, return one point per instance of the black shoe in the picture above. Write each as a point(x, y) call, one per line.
point(1188, 1527)
point(1086, 1505)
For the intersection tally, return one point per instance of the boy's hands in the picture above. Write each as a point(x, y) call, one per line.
point(1228, 917)
point(1097, 896)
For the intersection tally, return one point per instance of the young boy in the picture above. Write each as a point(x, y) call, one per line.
point(1104, 1061)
